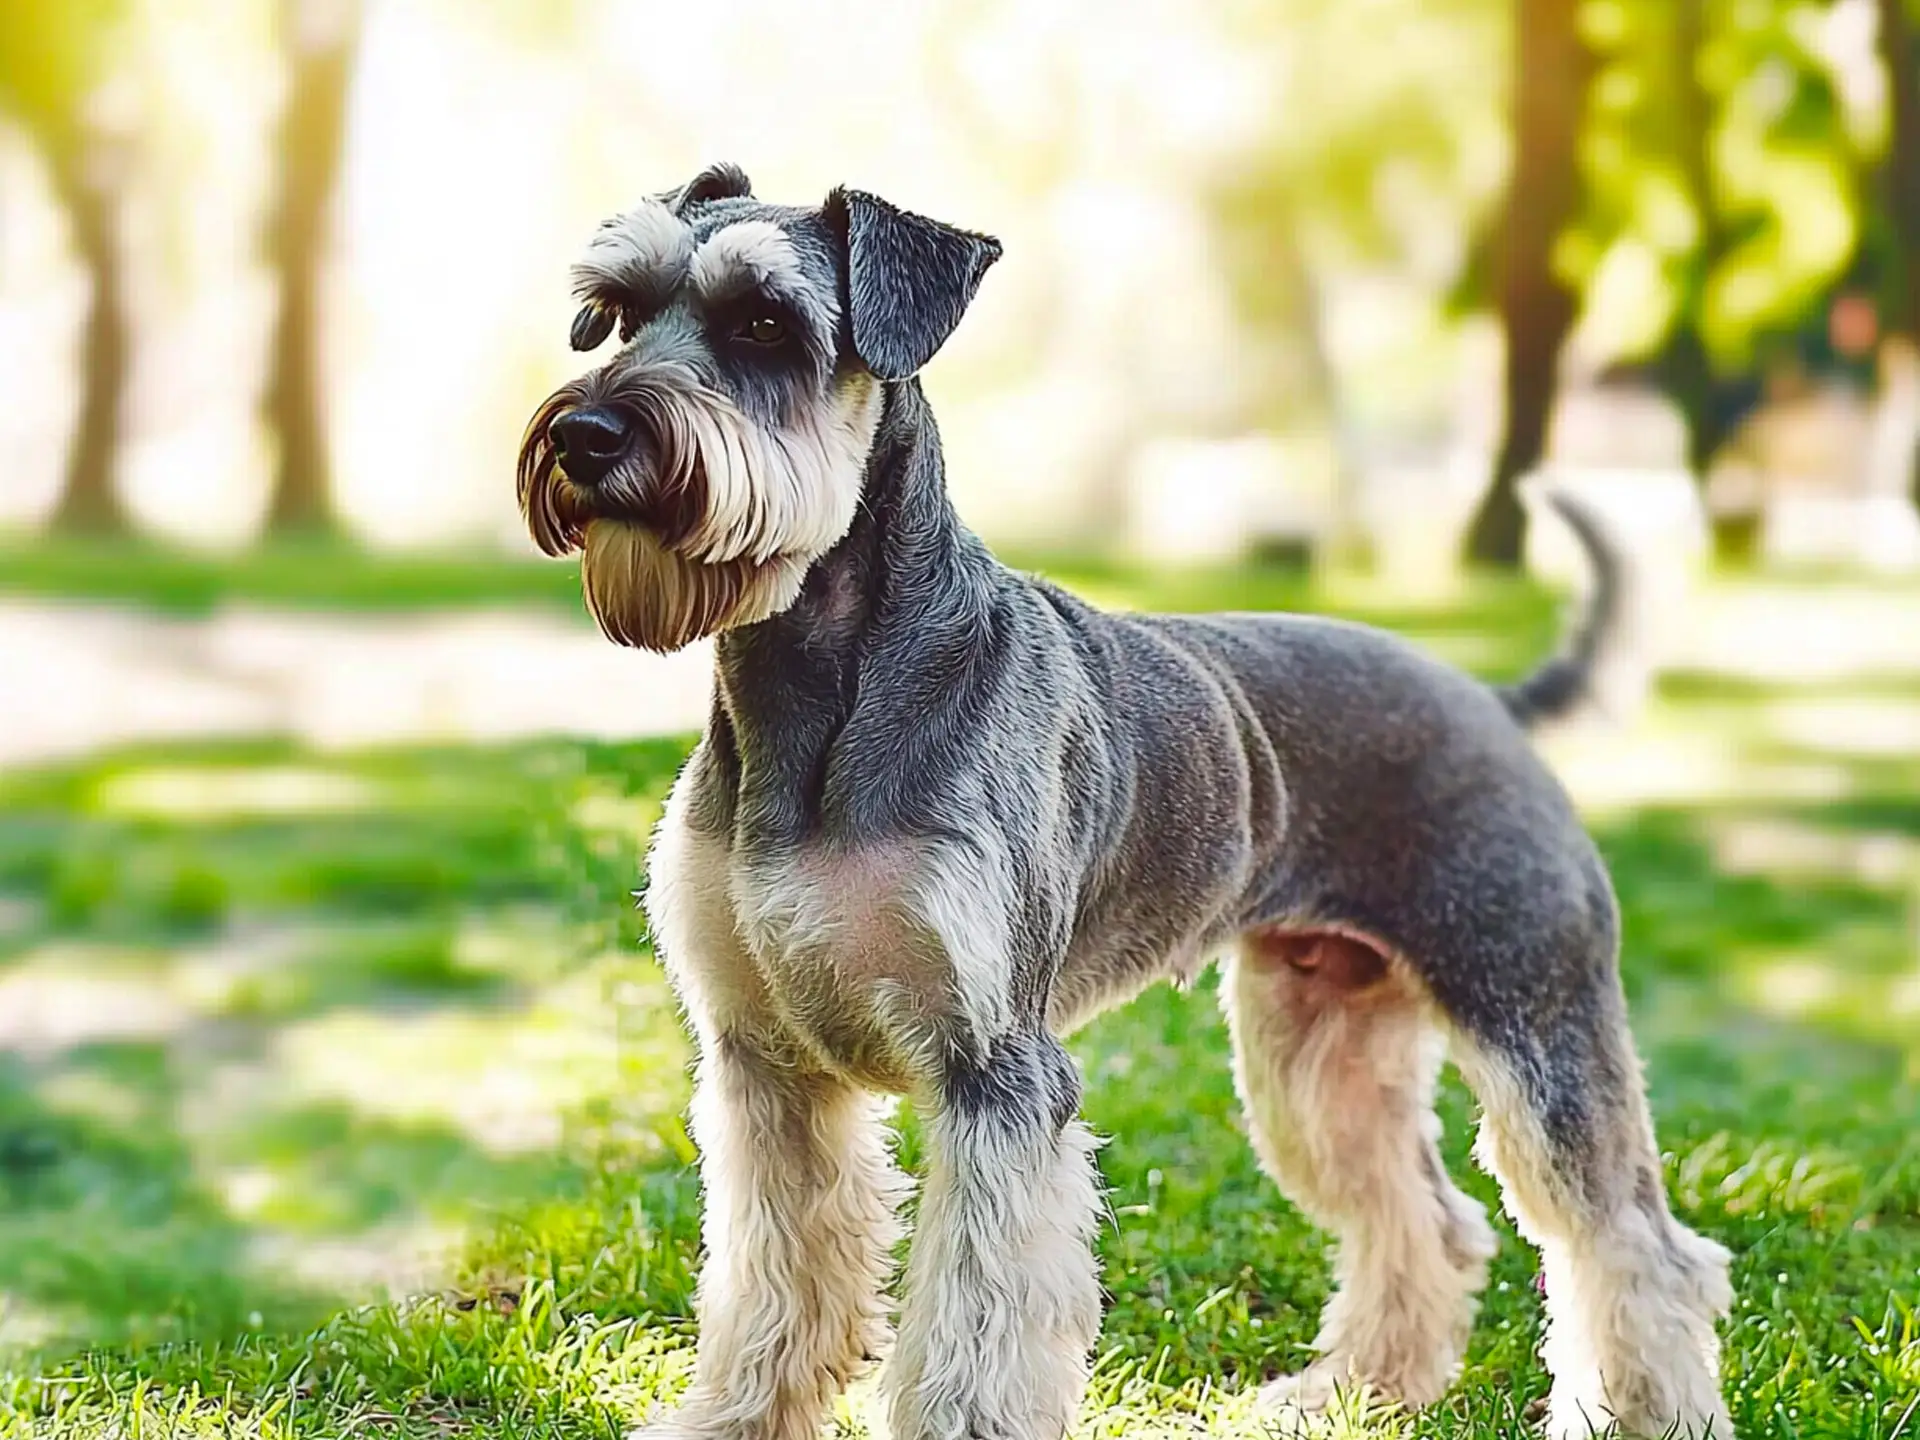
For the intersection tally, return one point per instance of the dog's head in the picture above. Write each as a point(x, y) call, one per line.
point(703, 468)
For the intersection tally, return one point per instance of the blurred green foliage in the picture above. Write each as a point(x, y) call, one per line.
point(52, 55)
point(1718, 155)
point(1728, 186)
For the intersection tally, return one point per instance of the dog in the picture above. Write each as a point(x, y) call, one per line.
point(943, 813)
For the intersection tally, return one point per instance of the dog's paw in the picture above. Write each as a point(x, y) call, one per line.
point(1294, 1406)
point(1573, 1423)
point(1321, 1400)
point(683, 1424)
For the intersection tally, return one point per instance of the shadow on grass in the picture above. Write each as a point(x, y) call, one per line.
point(106, 1234)
point(259, 1060)
point(116, 1230)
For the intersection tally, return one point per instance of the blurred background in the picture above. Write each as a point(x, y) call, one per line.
point(319, 798)
point(274, 269)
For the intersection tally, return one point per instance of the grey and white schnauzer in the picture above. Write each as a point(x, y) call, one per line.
point(943, 813)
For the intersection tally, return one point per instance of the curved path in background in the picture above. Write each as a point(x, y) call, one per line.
point(79, 677)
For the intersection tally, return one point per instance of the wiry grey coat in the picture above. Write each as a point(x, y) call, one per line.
point(943, 812)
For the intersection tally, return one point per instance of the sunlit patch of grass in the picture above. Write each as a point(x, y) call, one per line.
point(1765, 1177)
point(64, 996)
point(1850, 726)
point(1784, 849)
point(1866, 1000)
point(182, 795)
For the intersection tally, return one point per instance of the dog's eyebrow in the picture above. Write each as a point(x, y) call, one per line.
point(641, 255)
point(746, 256)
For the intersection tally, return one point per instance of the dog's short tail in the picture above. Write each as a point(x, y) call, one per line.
point(1561, 685)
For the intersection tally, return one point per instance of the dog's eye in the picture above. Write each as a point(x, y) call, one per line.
point(765, 330)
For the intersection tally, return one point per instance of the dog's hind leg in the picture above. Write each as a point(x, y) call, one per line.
point(799, 1226)
point(1003, 1294)
point(1632, 1294)
point(1335, 1054)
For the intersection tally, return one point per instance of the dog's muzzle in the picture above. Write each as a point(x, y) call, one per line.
point(623, 475)
point(590, 457)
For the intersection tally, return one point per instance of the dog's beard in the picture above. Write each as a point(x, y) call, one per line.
point(642, 593)
point(719, 529)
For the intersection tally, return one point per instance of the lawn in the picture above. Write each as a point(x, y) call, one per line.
point(339, 1095)
point(308, 574)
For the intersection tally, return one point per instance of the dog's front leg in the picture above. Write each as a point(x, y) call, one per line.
point(1003, 1293)
point(799, 1227)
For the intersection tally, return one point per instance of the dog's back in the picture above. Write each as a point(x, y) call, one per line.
point(1299, 771)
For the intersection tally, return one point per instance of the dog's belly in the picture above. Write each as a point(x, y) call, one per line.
point(1141, 928)
point(1105, 975)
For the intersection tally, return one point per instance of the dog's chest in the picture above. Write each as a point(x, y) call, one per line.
point(847, 949)
point(815, 907)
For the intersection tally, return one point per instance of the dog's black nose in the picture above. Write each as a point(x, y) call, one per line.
point(590, 440)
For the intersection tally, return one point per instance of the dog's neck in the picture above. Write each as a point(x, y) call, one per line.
point(887, 619)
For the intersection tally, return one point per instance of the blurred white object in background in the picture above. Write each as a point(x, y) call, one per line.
point(1616, 426)
point(1832, 466)
point(1890, 538)
point(1620, 449)
point(1878, 532)
point(1415, 514)
point(1415, 503)
point(1200, 501)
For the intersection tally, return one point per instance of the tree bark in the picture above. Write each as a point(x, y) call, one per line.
point(1902, 179)
point(1551, 73)
point(90, 502)
point(319, 46)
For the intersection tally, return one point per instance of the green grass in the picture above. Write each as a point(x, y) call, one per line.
point(303, 574)
point(304, 1028)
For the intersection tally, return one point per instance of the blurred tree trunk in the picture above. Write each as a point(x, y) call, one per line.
point(319, 39)
point(90, 502)
point(1551, 73)
point(1902, 178)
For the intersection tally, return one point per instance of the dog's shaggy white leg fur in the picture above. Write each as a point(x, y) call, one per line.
point(801, 1197)
point(1338, 1089)
point(1003, 1294)
point(1632, 1294)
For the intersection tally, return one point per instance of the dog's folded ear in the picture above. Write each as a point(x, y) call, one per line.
point(592, 326)
point(909, 280)
point(724, 181)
